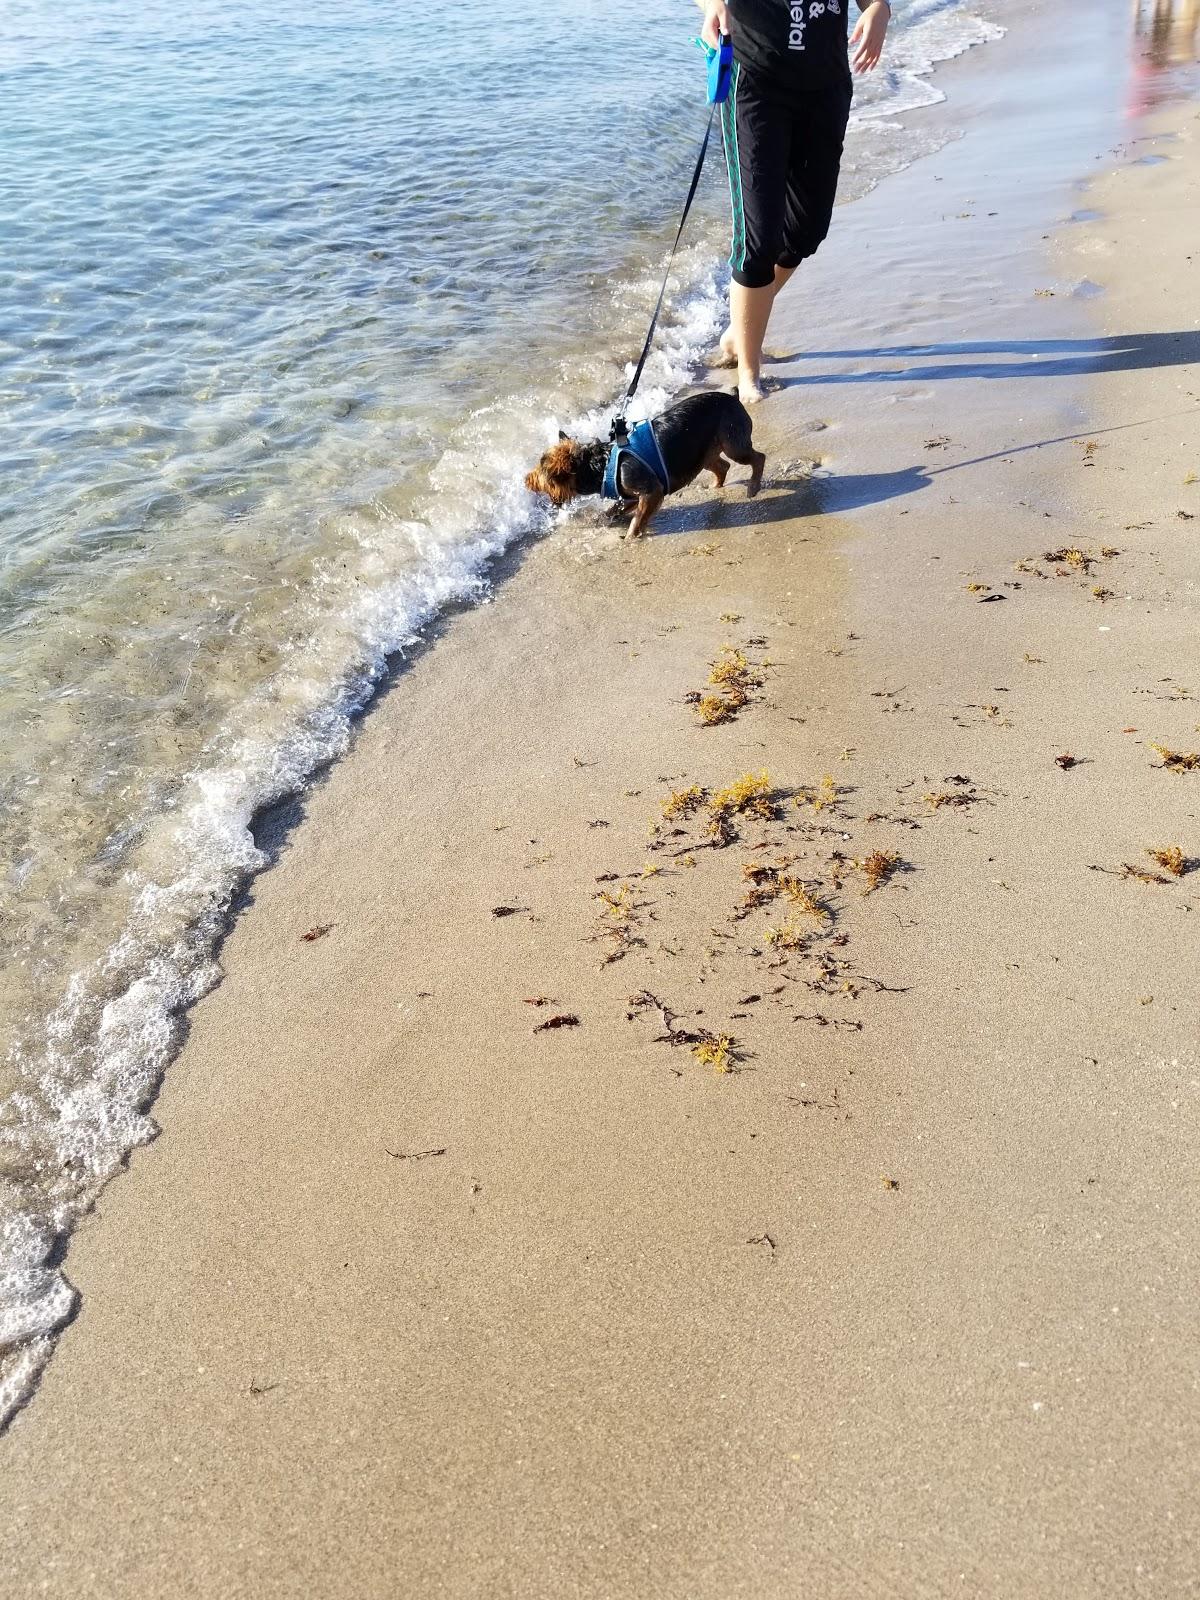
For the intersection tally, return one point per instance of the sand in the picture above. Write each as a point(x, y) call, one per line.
point(410, 1297)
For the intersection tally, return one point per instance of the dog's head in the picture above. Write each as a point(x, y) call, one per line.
point(557, 473)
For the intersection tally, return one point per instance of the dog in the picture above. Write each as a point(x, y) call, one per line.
point(696, 432)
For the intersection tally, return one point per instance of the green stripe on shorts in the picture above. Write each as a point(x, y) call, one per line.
point(737, 255)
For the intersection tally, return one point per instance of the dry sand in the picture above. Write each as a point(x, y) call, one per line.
point(905, 1303)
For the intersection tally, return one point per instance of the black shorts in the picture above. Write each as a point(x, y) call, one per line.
point(783, 150)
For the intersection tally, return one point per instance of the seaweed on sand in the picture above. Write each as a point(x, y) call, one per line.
point(1125, 870)
point(1178, 760)
point(791, 935)
point(714, 709)
point(716, 1050)
point(1068, 557)
point(821, 798)
point(877, 866)
point(758, 895)
point(762, 872)
point(566, 1019)
point(962, 795)
point(683, 802)
point(719, 1050)
point(748, 796)
point(847, 1024)
point(735, 678)
point(733, 669)
point(767, 881)
point(616, 925)
point(805, 901)
point(1172, 859)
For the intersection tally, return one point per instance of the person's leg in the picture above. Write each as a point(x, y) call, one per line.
point(749, 313)
point(729, 348)
point(813, 147)
point(754, 123)
point(818, 134)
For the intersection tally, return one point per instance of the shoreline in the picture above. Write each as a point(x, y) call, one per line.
point(594, 1316)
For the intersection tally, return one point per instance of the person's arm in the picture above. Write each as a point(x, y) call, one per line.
point(869, 33)
point(716, 21)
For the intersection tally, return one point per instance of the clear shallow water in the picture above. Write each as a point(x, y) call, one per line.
point(286, 310)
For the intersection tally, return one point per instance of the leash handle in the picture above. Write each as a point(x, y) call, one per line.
point(662, 293)
point(720, 70)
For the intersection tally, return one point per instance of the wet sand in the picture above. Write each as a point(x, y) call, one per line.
point(416, 1295)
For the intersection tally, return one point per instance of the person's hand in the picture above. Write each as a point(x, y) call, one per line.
point(869, 33)
point(716, 22)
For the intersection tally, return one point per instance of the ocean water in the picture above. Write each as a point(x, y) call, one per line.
point(287, 308)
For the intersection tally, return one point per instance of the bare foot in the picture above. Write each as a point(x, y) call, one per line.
point(750, 389)
point(727, 351)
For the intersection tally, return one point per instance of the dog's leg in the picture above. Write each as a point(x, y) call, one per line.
point(620, 509)
point(717, 465)
point(647, 505)
point(737, 441)
point(756, 461)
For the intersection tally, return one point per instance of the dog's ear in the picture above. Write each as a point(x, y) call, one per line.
point(563, 435)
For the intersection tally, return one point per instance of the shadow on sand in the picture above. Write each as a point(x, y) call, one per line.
point(802, 495)
point(1027, 358)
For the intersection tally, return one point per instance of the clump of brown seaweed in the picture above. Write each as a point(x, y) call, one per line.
point(961, 797)
point(877, 866)
point(821, 797)
point(734, 678)
point(717, 1050)
point(1070, 557)
point(616, 924)
point(748, 796)
point(683, 802)
point(1172, 859)
point(1178, 760)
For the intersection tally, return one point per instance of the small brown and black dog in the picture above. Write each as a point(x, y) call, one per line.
point(697, 432)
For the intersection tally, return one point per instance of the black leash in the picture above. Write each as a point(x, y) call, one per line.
point(619, 430)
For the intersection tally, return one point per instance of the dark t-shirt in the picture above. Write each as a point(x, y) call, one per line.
point(800, 44)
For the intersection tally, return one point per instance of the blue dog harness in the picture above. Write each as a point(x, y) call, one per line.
point(642, 444)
